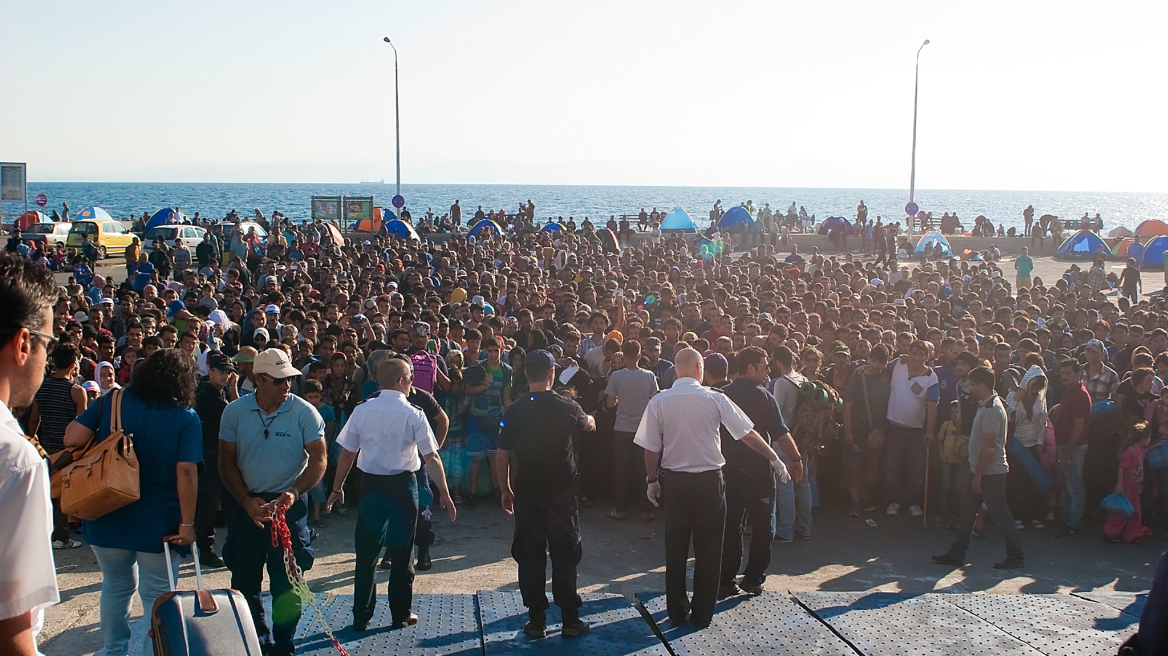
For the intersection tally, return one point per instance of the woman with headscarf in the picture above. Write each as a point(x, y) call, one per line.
point(106, 377)
point(1028, 419)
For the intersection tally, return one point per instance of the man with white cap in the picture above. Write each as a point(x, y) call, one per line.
point(271, 453)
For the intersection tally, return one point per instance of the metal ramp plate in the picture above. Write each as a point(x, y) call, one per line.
point(447, 624)
point(890, 623)
point(617, 628)
point(767, 624)
point(1054, 624)
point(1131, 603)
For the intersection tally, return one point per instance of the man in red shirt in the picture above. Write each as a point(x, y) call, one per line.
point(1070, 424)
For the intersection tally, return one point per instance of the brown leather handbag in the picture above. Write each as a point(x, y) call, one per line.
point(104, 477)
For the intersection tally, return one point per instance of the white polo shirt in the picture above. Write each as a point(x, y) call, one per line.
point(682, 424)
point(910, 396)
point(386, 433)
point(28, 576)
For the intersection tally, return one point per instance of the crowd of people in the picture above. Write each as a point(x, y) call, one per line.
point(841, 385)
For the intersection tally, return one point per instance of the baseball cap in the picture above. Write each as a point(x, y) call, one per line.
point(174, 308)
point(1096, 345)
point(246, 354)
point(275, 363)
point(267, 279)
point(716, 364)
point(106, 301)
point(840, 348)
point(272, 309)
point(91, 386)
point(540, 359)
point(420, 328)
point(216, 360)
point(81, 317)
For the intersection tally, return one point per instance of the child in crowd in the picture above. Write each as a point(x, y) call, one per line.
point(954, 465)
point(455, 404)
point(1131, 478)
point(314, 393)
point(126, 365)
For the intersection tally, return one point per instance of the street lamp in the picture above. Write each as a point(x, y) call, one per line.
point(397, 116)
point(912, 183)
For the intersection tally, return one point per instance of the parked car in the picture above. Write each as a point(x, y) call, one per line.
point(191, 236)
point(111, 237)
point(50, 233)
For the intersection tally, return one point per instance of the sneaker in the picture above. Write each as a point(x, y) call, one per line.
point(574, 628)
point(893, 509)
point(728, 591)
point(67, 543)
point(1009, 563)
point(1018, 525)
point(209, 560)
point(802, 537)
point(341, 510)
point(536, 626)
point(949, 559)
point(854, 511)
point(457, 499)
point(915, 511)
point(1037, 524)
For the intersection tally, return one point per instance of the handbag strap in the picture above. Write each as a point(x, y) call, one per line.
point(116, 411)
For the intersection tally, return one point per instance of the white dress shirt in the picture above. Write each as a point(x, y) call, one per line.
point(386, 433)
point(28, 576)
point(682, 424)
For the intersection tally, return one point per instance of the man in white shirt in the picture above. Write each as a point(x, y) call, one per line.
point(384, 437)
point(912, 419)
point(28, 577)
point(680, 434)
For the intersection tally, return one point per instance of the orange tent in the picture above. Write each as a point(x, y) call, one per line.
point(29, 218)
point(1120, 249)
point(1152, 228)
point(374, 224)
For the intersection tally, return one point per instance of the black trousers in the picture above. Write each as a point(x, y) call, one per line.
point(424, 536)
point(207, 504)
point(247, 551)
point(628, 472)
point(387, 516)
point(993, 495)
point(695, 508)
point(543, 526)
point(748, 501)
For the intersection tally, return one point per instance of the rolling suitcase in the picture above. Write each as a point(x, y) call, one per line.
point(201, 622)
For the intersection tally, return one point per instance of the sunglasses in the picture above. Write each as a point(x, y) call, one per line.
point(278, 381)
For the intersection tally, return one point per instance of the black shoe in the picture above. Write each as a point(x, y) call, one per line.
point(1009, 563)
point(386, 563)
point(728, 590)
point(948, 559)
point(410, 620)
point(209, 560)
point(701, 624)
point(360, 627)
point(424, 561)
point(677, 621)
point(536, 626)
point(575, 627)
point(753, 589)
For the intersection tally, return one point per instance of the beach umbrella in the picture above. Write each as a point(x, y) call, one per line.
point(485, 228)
point(736, 219)
point(94, 213)
point(1083, 245)
point(678, 220)
point(1119, 232)
point(1152, 228)
point(165, 216)
point(31, 218)
point(401, 230)
point(933, 239)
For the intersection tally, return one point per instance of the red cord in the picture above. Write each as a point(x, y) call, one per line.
point(282, 539)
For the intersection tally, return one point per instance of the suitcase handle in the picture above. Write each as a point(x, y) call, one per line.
point(207, 602)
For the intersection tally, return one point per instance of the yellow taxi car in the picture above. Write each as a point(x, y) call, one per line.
point(111, 237)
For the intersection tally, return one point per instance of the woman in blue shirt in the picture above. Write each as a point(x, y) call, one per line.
point(157, 412)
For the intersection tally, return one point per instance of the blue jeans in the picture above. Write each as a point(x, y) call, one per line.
point(124, 572)
point(1074, 493)
point(793, 503)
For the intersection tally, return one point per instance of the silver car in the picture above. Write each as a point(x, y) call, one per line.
point(190, 235)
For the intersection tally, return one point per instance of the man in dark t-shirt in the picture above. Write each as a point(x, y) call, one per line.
point(210, 401)
point(537, 433)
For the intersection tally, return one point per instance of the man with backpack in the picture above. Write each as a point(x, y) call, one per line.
point(792, 498)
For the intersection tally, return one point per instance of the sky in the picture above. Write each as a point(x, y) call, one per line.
point(1013, 95)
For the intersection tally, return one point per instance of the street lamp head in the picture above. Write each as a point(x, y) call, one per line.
point(387, 40)
point(923, 44)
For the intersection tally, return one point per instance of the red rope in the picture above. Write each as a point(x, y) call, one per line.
point(282, 539)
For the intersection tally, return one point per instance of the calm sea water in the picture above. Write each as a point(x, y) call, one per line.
point(215, 200)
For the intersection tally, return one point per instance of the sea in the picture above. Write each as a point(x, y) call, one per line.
point(215, 200)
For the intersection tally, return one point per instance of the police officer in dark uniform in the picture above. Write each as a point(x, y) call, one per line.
point(537, 435)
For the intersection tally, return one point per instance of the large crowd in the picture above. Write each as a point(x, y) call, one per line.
point(868, 362)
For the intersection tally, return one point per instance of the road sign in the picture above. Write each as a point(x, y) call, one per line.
point(911, 209)
point(42, 200)
point(398, 201)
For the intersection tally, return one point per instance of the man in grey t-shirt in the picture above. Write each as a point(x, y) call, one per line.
point(987, 462)
point(629, 391)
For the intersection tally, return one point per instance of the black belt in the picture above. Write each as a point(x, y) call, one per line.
point(681, 473)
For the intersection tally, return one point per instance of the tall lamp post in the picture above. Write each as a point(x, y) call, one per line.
point(397, 116)
point(912, 182)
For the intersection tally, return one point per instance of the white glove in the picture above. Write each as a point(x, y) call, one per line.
point(653, 491)
point(781, 472)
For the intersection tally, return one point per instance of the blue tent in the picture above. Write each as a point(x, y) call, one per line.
point(833, 222)
point(485, 228)
point(401, 230)
point(552, 227)
point(165, 216)
point(1153, 255)
point(933, 238)
point(1083, 245)
point(736, 219)
point(678, 221)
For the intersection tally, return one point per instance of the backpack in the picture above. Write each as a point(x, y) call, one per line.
point(425, 371)
point(813, 423)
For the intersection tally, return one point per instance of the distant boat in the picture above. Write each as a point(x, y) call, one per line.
point(373, 182)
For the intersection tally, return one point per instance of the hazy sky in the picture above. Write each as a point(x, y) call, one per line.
point(1014, 95)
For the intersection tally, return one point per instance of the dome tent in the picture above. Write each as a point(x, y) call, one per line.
point(31, 218)
point(611, 244)
point(552, 228)
point(165, 216)
point(93, 213)
point(401, 230)
point(1152, 228)
point(736, 219)
point(678, 220)
point(1153, 255)
point(933, 239)
point(833, 222)
point(1083, 245)
point(485, 228)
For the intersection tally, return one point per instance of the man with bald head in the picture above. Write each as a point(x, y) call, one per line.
point(680, 434)
point(384, 436)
